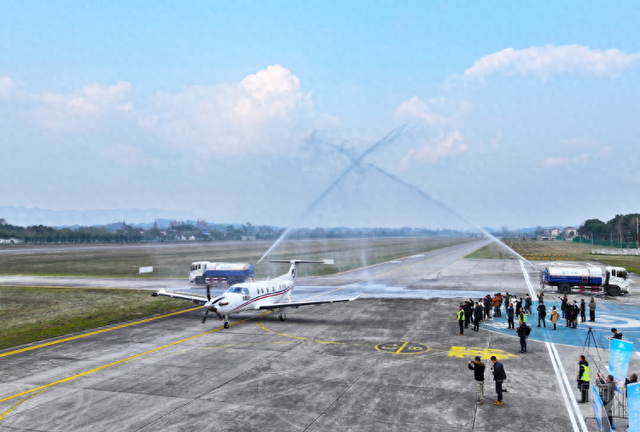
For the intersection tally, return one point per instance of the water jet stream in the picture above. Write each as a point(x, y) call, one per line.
point(390, 137)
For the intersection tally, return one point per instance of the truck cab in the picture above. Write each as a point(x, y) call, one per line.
point(617, 280)
point(197, 271)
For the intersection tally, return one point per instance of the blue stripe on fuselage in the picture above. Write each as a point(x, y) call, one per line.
point(264, 296)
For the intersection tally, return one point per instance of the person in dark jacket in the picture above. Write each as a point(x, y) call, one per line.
point(478, 374)
point(518, 305)
point(527, 304)
point(511, 313)
point(487, 307)
point(616, 334)
point(575, 313)
point(542, 313)
point(467, 313)
point(499, 375)
point(563, 307)
point(522, 334)
point(477, 316)
point(583, 310)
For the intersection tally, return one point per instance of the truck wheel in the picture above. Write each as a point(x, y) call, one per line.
point(614, 291)
point(564, 288)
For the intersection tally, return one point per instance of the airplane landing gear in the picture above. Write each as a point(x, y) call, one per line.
point(282, 316)
point(226, 321)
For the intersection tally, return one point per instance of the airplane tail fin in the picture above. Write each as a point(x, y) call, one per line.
point(293, 270)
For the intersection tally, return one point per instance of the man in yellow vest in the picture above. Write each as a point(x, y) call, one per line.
point(461, 320)
point(583, 379)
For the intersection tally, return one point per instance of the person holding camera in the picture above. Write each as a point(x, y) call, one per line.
point(478, 373)
point(607, 392)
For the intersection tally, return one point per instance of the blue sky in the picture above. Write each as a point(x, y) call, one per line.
point(517, 113)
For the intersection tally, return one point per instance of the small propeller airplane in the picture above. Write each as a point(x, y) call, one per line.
point(261, 295)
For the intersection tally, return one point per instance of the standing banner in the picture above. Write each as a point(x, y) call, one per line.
point(597, 405)
point(633, 401)
point(619, 359)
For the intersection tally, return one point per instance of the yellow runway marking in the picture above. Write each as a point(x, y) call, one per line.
point(115, 363)
point(46, 344)
point(17, 404)
point(484, 353)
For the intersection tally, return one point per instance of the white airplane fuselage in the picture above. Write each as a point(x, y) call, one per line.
point(250, 296)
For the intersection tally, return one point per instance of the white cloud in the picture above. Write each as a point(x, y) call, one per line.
point(450, 145)
point(81, 110)
point(264, 112)
point(439, 111)
point(550, 59)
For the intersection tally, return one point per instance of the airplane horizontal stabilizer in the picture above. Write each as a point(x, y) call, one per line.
point(326, 261)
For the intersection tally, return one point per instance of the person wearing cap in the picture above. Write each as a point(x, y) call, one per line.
point(478, 373)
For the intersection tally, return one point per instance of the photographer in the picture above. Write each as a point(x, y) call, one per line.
point(478, 373)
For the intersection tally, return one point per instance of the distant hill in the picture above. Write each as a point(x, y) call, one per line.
point(22, 216)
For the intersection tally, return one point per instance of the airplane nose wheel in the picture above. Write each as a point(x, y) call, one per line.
point(226, 321)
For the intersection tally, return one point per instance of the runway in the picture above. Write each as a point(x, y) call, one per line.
point(383, 362)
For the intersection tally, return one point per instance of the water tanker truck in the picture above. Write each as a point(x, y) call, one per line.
point(214, 273)
point(612, 281)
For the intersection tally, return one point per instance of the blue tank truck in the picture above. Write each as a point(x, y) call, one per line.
point(612, 281)
point(218, 273)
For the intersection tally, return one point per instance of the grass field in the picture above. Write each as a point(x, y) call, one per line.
point(32, 314)
point(173, 260)
point(554, 251)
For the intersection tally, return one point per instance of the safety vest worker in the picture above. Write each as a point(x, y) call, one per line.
point(585, 372)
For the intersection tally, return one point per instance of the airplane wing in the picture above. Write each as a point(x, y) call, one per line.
point(271, 306)
point(194, 298)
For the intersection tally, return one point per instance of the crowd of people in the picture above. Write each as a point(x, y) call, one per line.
point(489, 307)
point(517, 309)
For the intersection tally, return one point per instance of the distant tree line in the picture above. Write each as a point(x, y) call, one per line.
point(617, 232)
point(181, 231)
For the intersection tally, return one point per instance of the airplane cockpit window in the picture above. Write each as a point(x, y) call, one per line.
point(245, 291)
point(235, 290)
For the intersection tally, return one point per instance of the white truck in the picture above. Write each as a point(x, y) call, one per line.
point(613, 281)
point(215, 273)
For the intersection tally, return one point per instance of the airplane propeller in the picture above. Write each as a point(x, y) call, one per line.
point(209, 306)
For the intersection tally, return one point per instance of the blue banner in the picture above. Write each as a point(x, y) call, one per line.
point(619, 359)
point(633, 401)
point(597, 406)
